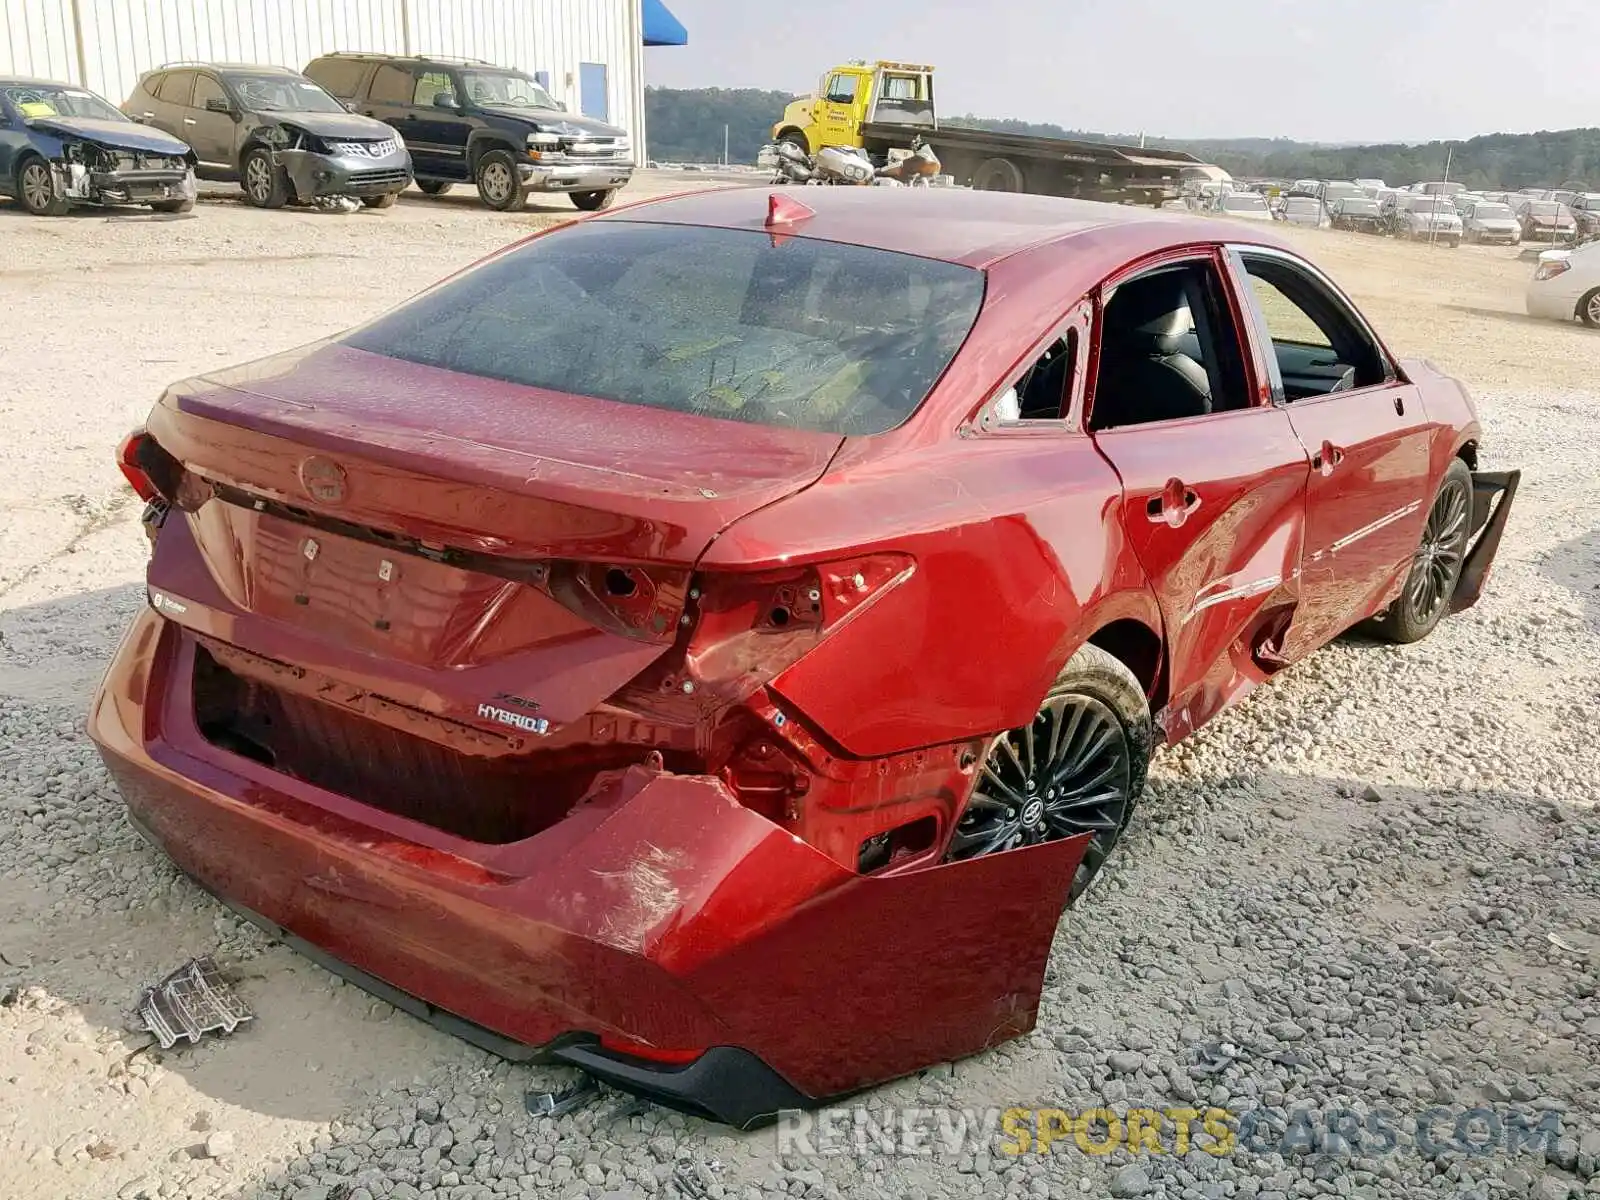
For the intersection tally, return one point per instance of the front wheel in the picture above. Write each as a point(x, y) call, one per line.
point(36, 188)
point(594, 201)
point(173, 206)
point(434, 187)
point(1078, 768)
point(385, 201)
point(266, 185)
point(1424, 598)
point(498, 185)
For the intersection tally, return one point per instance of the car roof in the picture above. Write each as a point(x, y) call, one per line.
point(958, 225)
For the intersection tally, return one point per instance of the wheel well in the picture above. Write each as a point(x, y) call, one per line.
point(792, 131)
point(1469, 455)
point(483, 145)
point(1138, 647)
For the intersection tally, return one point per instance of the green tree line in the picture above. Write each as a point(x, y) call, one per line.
point(686, 125)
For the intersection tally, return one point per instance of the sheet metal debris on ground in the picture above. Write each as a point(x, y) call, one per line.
point(191, 1002)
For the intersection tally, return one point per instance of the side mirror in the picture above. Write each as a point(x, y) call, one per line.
point(446, 100)
point(218, 104)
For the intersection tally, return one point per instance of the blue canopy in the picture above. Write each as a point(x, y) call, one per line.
point(661, 28)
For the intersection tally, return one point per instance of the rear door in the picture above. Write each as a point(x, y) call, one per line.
point(171, 105)
point(1213, 488)
point(1364, 429)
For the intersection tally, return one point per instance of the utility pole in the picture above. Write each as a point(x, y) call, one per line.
point(724, 145)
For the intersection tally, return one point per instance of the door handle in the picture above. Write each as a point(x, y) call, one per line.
point(1327, 458)
point(1173, 505)
point(1399, 405)
point(188, 120)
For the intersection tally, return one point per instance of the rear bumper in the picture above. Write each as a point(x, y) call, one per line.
point(577, 177)
point(751, 972)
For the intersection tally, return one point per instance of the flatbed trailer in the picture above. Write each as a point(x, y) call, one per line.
point(884, 106)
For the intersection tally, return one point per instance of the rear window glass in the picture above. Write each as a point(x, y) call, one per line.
point(804, 334)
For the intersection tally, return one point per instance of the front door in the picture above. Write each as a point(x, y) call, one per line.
point(1365, 432)
point(213, 134)
point(1213, 480)
point(837, 113)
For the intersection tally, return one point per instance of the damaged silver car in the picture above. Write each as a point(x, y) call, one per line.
point(277, 133)
point(62, 145)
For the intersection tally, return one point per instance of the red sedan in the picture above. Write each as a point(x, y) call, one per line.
point(710, 643)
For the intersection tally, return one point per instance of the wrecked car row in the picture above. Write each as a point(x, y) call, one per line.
point(628, 711)
point(333, 137)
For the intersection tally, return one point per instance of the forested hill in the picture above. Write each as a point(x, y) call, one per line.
point(687, 126)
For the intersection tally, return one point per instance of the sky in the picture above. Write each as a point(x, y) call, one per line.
point(1314, 70)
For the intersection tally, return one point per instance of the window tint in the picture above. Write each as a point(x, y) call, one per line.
point(390, 85)
point(342, 77)
point(177, 87)
point(430, 85)
point(1317, 343)
point(806, 334)
point(207, 88)
point(842, 88)
point(1169, 349)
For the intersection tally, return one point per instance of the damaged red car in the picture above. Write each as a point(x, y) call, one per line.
point(709, 644)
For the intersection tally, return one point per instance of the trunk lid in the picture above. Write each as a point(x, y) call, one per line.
point(476, 549)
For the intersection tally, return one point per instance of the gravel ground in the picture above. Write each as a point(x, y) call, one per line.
point(1370, 889)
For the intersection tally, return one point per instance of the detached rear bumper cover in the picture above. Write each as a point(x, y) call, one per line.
point(660, 912)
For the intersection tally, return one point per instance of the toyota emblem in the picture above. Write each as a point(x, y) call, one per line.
point(323, 479)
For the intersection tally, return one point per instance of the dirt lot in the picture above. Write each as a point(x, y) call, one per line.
point(1373, 885)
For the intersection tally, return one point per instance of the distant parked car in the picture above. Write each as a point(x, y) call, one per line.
point(276, 132)
point(1371, 185)
point(1490, 223)
point(1547, 221)
point(62, 146)
point(1305, 187)
point(1357, 214)
point(1586, 212)
point(1441, 189)
point(1246, 206)
point(1304, 210)
point(495, 127)
point(1420, 216)
point(1336, 189)
point(1567, 285)
point(1465, 200)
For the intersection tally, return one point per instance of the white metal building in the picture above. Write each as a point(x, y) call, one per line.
point(588, 53)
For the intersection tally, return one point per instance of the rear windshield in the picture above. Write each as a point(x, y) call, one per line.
point(804, 334)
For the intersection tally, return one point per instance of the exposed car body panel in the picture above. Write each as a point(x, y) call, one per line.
point(122, 135)
point(524, 807)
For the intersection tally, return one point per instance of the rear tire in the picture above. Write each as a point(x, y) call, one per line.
point(386, 201)
point(594, 201)
point(1424, 597)
point(265, 185)
point(1589, 309)
point(498, 186)
point(434, 187)
point(36, 189)
point(997, 175)
point(1089, 751)
point(173, 206)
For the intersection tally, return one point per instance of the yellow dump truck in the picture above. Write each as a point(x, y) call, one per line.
point(882, 106)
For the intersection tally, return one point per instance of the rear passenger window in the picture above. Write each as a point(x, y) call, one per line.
point(177, 88)
point(391, 85)
point(1169, 349)
point(338, 77)
point(1044, 393)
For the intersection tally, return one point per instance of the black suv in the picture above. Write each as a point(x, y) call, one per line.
point(280, 135)
point(467, 120)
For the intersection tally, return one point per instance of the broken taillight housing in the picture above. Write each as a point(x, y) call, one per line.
point(740, 630)
point(153, 473)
